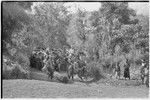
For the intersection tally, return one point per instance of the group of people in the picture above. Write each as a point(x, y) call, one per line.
point(144, 71)
point(73, 63)
point(37, 60)
point(117, 70)
point(57, 60)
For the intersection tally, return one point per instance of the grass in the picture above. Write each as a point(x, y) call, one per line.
point(14, 72)
point(39, 86)
point(43, 89)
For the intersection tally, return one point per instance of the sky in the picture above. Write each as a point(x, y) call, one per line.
point(140, 7)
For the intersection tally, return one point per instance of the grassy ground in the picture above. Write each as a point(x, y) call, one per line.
point(43, 89)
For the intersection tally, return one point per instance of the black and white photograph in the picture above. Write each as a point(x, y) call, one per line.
point(75, 49)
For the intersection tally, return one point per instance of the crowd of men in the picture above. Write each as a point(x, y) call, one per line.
point(58, 60)
point(73, 63)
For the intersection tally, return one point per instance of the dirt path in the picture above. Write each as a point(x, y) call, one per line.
point(41, 89)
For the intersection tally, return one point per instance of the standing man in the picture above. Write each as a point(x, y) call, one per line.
point(127, 70)
point(117, 70)
point(144, 73)
point(81, 64)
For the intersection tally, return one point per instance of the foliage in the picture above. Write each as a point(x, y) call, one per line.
point(76, 32)
point(14, 16)
point(95, 70)
point(111, 34)
point(118, 29)
point(12, 70)
point(51, 20)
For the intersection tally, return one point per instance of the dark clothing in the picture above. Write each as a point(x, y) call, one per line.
point(81, 67)
point(36, 61)
point(56, 62)
point(126, 72)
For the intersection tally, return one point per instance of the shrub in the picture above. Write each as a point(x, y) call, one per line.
point(14, 71)
point(22, 60)
point(65, 79)
point(94, 69)
point(62, 78)
point(6, 71)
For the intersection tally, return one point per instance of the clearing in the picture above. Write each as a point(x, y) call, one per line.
point(19, 88)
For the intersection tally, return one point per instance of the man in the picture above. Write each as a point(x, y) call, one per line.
point(127, 70)
point(117, 71)
point(33, 60)
point(72, 70)
point(147, 76)
point(144, 72)
point(56, 60)
point(48, 69)
point(81, 65)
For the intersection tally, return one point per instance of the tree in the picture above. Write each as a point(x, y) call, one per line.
point(25, 5)
point(72, 32)
point(115, 16)
point(143, 35)
point(14, 16)
point(51, 21)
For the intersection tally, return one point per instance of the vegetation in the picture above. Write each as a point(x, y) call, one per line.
point(108, 35)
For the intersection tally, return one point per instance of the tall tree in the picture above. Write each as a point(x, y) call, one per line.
point(51, 20)
point(112, 15)
point(14, 16)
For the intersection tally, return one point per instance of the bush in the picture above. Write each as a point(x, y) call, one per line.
point(62, 78)
point(65, 79)
point(94, 70)
point(14, 71)
point(22, 60)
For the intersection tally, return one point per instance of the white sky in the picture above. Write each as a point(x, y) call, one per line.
point(140, 7)
point(88, 6)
